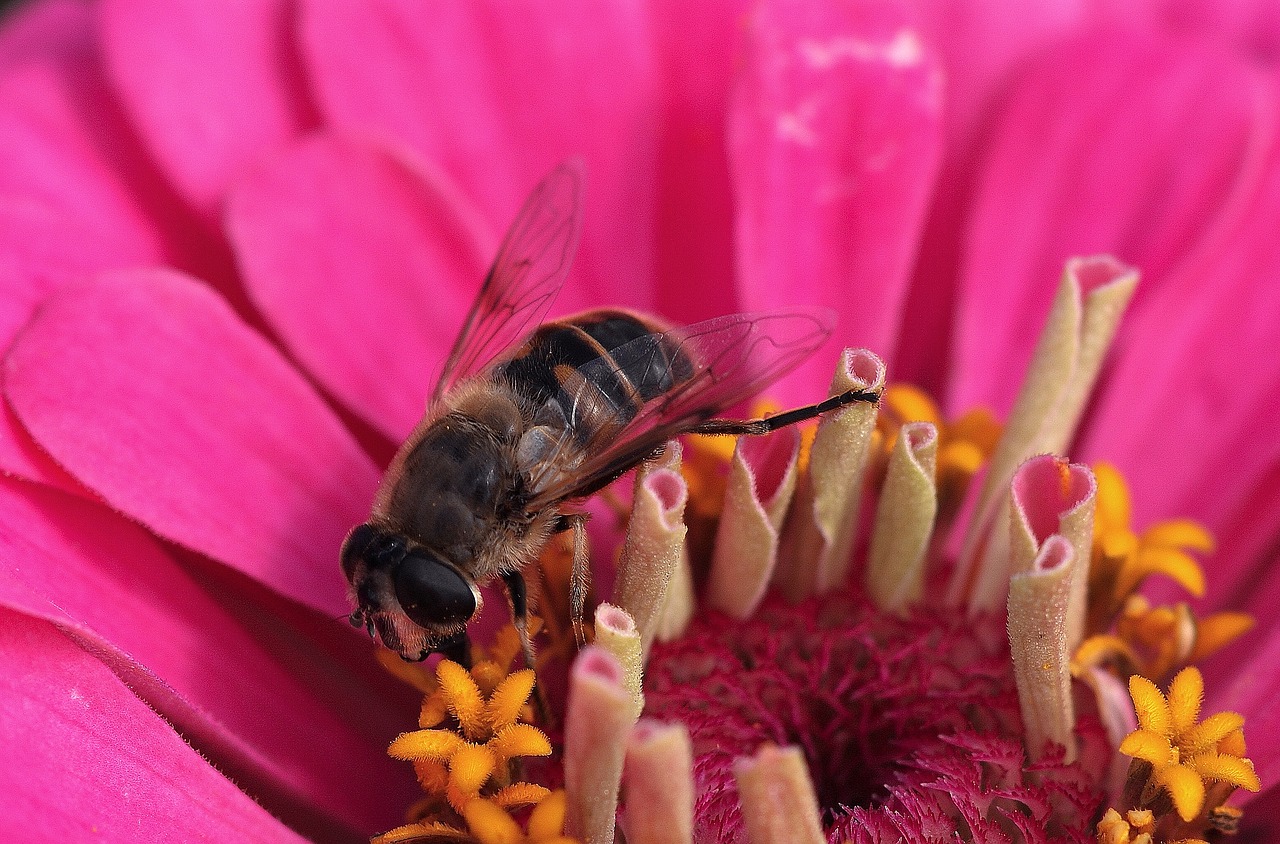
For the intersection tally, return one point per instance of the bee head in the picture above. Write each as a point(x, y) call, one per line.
point(405, 594)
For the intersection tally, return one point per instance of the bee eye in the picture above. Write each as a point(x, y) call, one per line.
point(432, 593)
point(354, 546)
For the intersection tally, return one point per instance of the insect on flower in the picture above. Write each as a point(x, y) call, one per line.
point(523, 423)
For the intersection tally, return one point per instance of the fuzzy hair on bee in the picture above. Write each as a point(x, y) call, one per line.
point(530, 417)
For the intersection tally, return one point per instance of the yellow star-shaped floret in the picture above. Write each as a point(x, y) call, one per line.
point(460, 763)
point(488, 822)
point(1134, 827)
point(1148, 640)
point(1123, 558)
point(1184, 752)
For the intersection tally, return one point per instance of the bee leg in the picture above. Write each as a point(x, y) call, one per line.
point(755, 427)
point(580, 579)
point(457, 648)
point(519, 595)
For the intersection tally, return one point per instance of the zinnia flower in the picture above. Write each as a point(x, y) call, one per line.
point(237, 239)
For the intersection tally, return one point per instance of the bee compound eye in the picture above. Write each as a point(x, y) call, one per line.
point(355, 545)
point(432, 593)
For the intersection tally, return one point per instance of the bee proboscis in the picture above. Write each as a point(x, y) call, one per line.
point(523, 423)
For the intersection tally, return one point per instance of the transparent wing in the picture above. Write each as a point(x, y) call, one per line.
point(714, 365)
point(526, 275)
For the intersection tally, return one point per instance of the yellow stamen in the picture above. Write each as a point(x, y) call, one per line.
point(487, 675)
point(547, 820)
point(1204, 737)
point(1150, 746)
point(1151, 706)
point(1179, 533)
point(434, 710)
point(1122, 560)
point(705, 468)
point(433, 775)
point(521, 794)
point(1218, 630)
point(490, 824)
point(1135, 827)
point(1185, 755)
point(1160, 639)
point(1184, 787)
point(1100, 649)
point(508, 698)
point(1233, 744)
point(1229, 769)
point(425, 744)
point(1115, 506)
point(463, 697)
point(1186, 693)
point(435, 832)
point(520, 740)
point(471, 766)
point(1172, 563)
point(469, 763)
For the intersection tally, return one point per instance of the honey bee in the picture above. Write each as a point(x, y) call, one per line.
point(523, 423)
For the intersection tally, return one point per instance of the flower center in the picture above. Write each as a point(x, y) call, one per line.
point(903, 720)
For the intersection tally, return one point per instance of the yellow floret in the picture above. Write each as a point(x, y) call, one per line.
point(508, 698)
point(425, 744)
point(463, 698)
point(490, 824)
point(520, 740)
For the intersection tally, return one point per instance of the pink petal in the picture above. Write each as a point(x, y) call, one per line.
point(497, 99)
point(982, 46)
point(85, 760)
point(1261, 822)
point(1251, 27)
point(695, 203)
point(252, 702)
point(70, 209)
point(211, 87)
point(148, 389)
point(1187, 411)
point(1111, 143)
point(1252, 688)
point(32, 30)
point(365, 265)
point(834, 136)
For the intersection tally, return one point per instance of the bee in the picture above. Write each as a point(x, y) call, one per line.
point(523, 423)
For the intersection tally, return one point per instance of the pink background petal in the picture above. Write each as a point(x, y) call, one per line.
point(34, 30)
point(983, 46)
point(80, 194)
point(1251, 27)
point(1188, 411)
point(834, 137)
point(698, 43)
point(251, 702)
point(211, 86)
point(498, 98)
point(1112, 143)
point(67, 210)
point(70, 728)
point(1251, 686)
point(365, 266)
point(149, 390)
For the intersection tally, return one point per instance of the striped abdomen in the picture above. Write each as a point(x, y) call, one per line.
point(622, 356)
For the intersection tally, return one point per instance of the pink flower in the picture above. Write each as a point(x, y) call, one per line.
point(236, 239)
